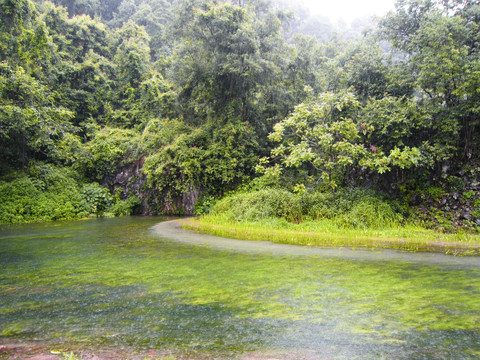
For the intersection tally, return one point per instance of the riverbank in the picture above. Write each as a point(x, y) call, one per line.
point(326, 234)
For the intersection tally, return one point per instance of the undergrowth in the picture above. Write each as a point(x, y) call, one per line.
point(356, 218)
point(45, 193)
point(356, 208)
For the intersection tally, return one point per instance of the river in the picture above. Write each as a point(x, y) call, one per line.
point(145, 284)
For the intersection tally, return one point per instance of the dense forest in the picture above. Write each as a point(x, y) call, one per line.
point(166, 106)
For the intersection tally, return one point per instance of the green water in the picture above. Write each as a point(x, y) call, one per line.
point(119, 282)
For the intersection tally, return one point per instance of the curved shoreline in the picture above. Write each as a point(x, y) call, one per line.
point(181, 230)
point(314, 239)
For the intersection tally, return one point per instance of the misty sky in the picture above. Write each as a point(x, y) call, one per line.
point(348, 9)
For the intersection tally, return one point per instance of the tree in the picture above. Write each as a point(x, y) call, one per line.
point(399, 27)
point(81, 70)
point(368, 69)
point(327, 138)
point(208, 159)
point(153, 15)
point(31, 124)
point(443, 56)
point(24, 40)
point(80, 7)
point(322, 133)
point(225, 62)
point(447, 64)
point(132, 62)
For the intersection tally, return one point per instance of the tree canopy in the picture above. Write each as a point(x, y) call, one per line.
point(179, 102)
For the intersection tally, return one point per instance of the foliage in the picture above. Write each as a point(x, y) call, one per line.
point(367, 69)
point(47, 193)
point(435, 192)
point(82, 68)
point(325, 133)
point(125, 207)
point(401, 128)
point(204, 204)
point(349, 209)
point(162, 132)
point(358, 208)
point(24, 41)
point(30, 121)
point(443, 62)
point(190, 91)
point(226, 65)
point(207, 158)
point(469, 194)
point(109, 149)
point(95, 199)
point(261, 204)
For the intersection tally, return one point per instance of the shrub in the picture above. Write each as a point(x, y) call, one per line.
point(204, 204)
point(125, 207)
point(318, 205)
point(468, 195)
point(357, 208)
point(476, 214)
point(369, 212)
point(95, 199)
point(109, 149)
point(47, 193)
point(260, 204)
point(435, 192)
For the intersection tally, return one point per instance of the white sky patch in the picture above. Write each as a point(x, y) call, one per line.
point(348, 10)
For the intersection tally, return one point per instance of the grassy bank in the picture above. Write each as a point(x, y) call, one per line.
point(326, 233)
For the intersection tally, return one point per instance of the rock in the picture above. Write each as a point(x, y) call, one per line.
point(465, 215)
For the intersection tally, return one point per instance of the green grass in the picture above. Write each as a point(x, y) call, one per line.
point(327, 233)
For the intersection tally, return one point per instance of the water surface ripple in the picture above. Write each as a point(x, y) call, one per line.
point(137, 283)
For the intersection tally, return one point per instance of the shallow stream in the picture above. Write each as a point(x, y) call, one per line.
point(133, 283)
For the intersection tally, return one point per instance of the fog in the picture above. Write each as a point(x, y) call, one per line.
point(346, 10)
